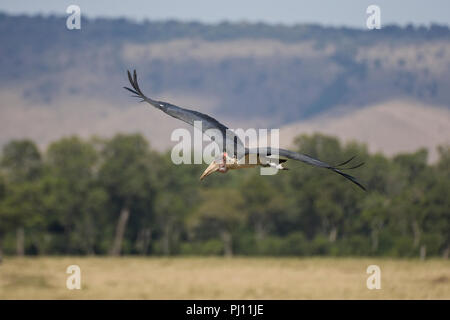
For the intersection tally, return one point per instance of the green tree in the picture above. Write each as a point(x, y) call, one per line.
point(374, 216)
point(177, 194)
point(220, 213)
point(22, 164)
point(21, 161)
point(4, 223)
point(258, 195)
point(74, 199)
point(127, 173)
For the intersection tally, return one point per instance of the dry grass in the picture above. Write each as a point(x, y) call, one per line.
point(220, 278)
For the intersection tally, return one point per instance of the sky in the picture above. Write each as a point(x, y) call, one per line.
point(351, 13)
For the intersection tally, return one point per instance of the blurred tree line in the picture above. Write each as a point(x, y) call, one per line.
point(118, 196)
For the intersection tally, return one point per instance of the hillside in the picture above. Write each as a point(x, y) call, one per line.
point(392, 127)
point(55, 82)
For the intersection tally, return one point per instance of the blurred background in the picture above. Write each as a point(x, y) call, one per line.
point(86, 170)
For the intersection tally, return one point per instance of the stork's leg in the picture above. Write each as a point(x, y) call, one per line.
point(278, 166)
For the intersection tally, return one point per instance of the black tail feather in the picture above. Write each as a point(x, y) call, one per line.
point(349, 177)
point(345, 162)
point(354, 167)
point(134, 84)
point(340, 166)
point(132, 91)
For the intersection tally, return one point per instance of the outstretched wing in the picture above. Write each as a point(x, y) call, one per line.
point(210, 126)
point(282, 153)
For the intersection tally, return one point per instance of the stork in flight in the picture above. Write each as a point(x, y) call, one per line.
point(232, 145)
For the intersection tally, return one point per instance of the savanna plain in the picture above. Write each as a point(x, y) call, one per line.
point(223, 278)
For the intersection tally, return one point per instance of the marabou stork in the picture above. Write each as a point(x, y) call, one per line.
point(232, 145)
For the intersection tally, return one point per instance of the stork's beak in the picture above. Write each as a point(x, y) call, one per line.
point(213, 167)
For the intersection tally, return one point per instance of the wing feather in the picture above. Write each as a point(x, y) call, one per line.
point(230, 142)
point(306, 159)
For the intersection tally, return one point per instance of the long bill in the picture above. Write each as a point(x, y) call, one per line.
point(213, 167)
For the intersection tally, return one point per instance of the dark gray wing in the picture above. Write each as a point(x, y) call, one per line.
point(282, 153)
point(229, 142)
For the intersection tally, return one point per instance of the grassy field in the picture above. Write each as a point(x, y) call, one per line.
point(221, 278)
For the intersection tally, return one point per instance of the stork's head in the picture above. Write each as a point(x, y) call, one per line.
point(219, 165)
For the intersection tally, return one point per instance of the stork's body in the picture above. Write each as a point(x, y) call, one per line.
point(226, 163)
point(234, 154)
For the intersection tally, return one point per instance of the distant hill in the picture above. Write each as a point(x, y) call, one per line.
point(56, 82)
point(391, 127)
